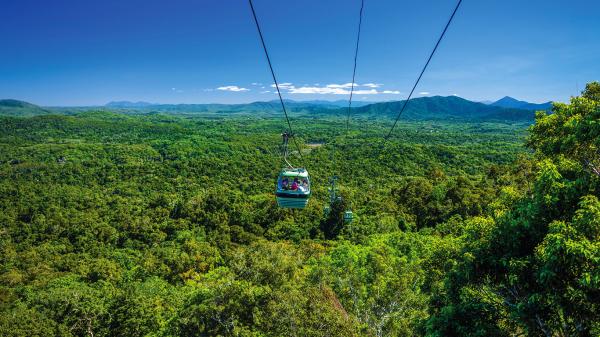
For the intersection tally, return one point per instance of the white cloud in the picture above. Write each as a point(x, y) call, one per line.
point(285, 85)
point(424, 93)
point(366, 92)
point(316, 89)
point(349, 85)
point(232, 88)
point(334, 89)
point(328, 90)
point(345, 85)
point(176, 90)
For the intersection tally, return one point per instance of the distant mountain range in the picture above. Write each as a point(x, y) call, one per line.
point(423, 108)
point(127, 104)
point(338, 103)
point(509, 102)
point(440, 107)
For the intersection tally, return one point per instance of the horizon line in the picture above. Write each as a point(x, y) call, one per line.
point(484, 101)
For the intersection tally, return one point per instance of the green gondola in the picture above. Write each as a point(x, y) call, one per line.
point(348, 217)
point(293, 188)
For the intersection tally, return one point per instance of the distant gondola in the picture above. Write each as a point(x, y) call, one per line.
point(293, 188)
point(348, 216)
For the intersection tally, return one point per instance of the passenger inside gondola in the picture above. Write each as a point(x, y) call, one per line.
point(284, 184)
point(298, 184)
point(304, 186)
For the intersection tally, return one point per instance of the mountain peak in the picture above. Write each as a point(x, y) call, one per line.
point(513, 103)
point(508, 99)
point(127, 104)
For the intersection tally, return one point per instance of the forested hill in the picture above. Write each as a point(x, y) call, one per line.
point(440, 107)
point(423, 108)
point(13, 107)
point(509, 102)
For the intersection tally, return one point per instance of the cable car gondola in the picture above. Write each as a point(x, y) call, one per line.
point(293, 188)
point(293, 184)
point(348, 217)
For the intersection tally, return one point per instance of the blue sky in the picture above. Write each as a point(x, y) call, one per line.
point(182, 51)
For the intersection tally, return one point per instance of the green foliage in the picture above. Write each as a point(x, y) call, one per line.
point(572, 130)
point(535, 270)
point(162, 225)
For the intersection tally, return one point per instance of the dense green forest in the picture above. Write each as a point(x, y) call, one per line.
point(161, 225)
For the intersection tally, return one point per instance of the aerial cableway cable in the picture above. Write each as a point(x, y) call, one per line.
point(333, 197)
point(360, 16)
point(262, 40)
point(422, 71)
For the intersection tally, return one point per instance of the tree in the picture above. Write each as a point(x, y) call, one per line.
point(537, 269)
point(572, 130)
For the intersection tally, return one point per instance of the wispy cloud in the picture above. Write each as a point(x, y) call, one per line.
point(316, 89)
point(366, 92)
point(176, 90)
point(335, 89)
point(285, 85)
point(345, 85)
point(234, 88)
point(424, 93)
